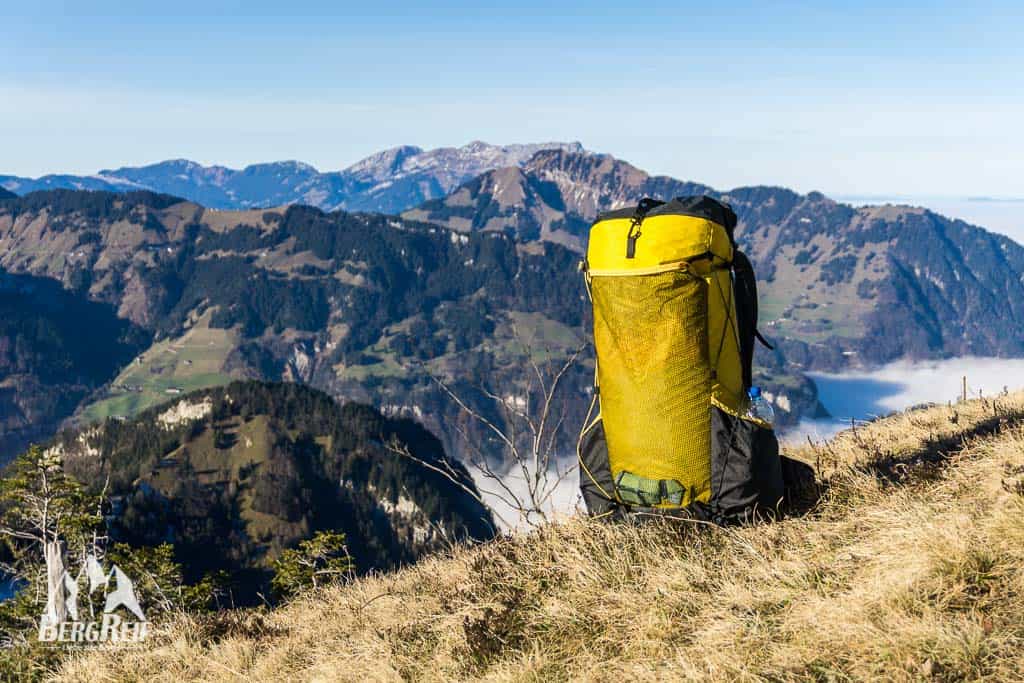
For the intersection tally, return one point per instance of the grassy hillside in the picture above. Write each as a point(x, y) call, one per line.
point(193, 361)
point(910, 566)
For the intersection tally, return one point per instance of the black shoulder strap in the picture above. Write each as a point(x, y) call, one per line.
point(745, 288)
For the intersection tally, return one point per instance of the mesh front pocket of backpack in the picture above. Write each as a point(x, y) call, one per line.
point(654, 374)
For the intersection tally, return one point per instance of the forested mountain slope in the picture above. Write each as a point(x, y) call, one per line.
point(233, 475)
point(56, 348)
point(363, 306)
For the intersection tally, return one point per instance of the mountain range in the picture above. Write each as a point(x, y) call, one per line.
point(462, 287)
point(386, 182)
point(838, 284)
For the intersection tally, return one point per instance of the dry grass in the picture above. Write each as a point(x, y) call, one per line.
point(911, 566)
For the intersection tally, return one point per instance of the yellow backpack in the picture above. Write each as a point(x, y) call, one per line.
point(675, 314)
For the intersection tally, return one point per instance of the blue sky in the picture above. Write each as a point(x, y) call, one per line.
point(848, 98)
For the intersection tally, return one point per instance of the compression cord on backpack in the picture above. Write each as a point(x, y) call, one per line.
point(727, 304)
point(757, 335)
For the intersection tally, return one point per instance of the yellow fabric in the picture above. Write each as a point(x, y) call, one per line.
point(651, 338)
point(667, 345)
point(664, 242)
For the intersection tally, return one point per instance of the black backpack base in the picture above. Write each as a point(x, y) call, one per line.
point(747, 482)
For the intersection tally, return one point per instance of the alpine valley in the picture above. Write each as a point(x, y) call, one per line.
point(375, 284)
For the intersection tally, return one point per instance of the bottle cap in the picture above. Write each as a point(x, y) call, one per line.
point(754, 392)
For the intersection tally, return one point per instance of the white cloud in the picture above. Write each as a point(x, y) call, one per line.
point(867, 394)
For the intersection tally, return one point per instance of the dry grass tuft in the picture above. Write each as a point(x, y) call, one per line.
point(909, 567)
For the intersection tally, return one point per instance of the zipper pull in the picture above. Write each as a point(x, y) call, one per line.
point(632, 237)
point(645, 205)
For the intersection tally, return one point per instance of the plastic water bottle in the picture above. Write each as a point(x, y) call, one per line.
point(759, 407)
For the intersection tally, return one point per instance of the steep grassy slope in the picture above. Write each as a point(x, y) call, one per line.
point(195, 360)
point(910, 566)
